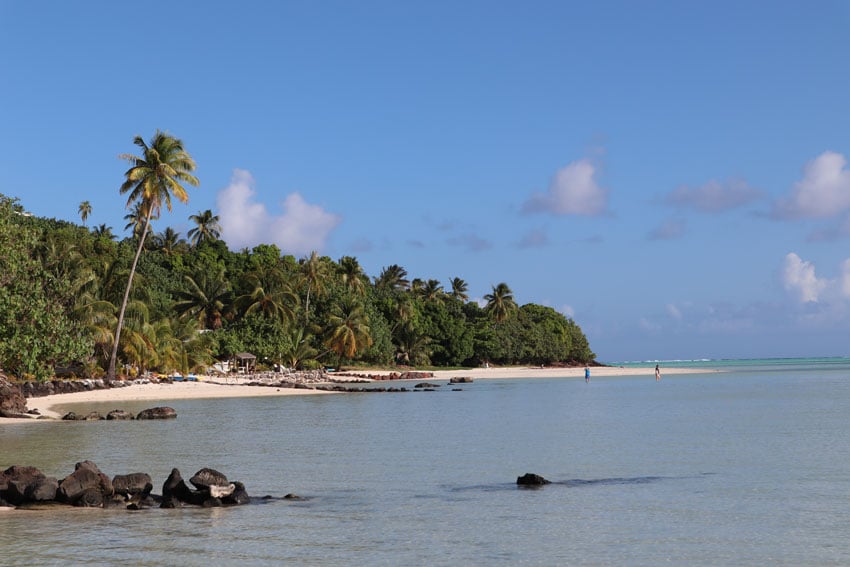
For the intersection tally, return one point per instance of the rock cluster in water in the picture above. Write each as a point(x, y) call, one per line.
point(87, 486)
point(409, 375)
point(161, 412)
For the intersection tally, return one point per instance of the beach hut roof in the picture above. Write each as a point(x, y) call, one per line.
point(245, 356)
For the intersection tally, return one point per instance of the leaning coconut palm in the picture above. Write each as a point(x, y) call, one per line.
point(152, 180)
point(207, 229)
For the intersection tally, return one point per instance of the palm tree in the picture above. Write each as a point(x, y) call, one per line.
point(168, 242)
point(459, 289)
point(153, 178)
point(299, 348)
point(268, 294)
point(313, 272)
point(412, 345)
point(392, 278)
point(432, 290)
point(136, 219)
point(85, 211)
point(206, 300)
point(104, 232)
point(348, 330)
point(416, 285)
point(352, 275)
point(500, 303)
point(208, 229)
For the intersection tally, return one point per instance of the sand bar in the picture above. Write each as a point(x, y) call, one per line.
point(237, 388)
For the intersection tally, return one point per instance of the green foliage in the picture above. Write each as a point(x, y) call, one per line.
point(37, 332)
point(61, 286)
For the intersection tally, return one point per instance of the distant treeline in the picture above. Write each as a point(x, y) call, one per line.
point(194, 301)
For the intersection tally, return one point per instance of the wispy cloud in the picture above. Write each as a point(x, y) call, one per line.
point(714, 196)
point(823, 192)
point(573, 190)
point(299, 229)
point(670, 230)
point(536, 238)
point(470, 242)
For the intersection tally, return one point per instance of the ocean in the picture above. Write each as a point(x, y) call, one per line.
point(748, 466)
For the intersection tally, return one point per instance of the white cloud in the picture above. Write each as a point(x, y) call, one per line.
point(568, 311)
point(300, 229)
point(799, 278)
point(572, 191)
point(823, 192)
point(714, 196)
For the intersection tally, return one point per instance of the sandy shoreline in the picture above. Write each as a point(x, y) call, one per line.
point(208, 388)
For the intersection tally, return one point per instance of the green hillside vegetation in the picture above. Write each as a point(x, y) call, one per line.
point(193, 301)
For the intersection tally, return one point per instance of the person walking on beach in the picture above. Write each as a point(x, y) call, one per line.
point(657, 374)
point(587, 374)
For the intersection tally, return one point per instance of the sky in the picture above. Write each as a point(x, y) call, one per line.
point(672, 175)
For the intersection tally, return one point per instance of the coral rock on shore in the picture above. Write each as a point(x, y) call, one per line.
point(12, 401)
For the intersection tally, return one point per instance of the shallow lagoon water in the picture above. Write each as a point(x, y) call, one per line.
point(746, 467)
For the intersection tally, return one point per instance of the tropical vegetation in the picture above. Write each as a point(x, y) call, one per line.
point(78, 300)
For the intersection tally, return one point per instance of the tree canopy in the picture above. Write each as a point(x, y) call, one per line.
point(66, 295)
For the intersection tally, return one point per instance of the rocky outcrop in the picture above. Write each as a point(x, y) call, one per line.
point(162, 412)
point(12, 401)
point(119, 414)
point(26, 484)
point(85, 479)
point(205, 478)
point(460, 380)
point(88, 487)
point(132, 485)
point(213, 490)
point(531, 479)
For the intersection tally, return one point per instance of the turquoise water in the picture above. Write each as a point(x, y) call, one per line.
point(745, 467)
point(745, 364)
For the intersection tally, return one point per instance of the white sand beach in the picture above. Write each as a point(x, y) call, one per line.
point(215, 388)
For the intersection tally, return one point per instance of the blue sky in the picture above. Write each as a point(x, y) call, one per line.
point(673, 175)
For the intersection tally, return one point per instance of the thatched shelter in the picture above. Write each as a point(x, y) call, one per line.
point(244, 362)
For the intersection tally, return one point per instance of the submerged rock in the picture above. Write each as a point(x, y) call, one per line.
point(162, 412)
point(531, 479)
point(119, 414)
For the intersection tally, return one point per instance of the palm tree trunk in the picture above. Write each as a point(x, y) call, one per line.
point(110, 373)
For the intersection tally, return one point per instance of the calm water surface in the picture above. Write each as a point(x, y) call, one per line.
point(747, 467)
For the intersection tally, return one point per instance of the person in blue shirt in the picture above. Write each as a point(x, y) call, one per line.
point(587, 374)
